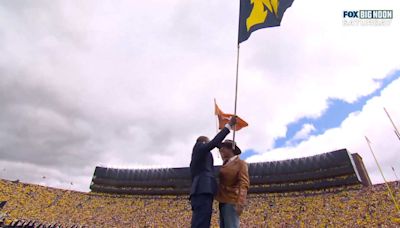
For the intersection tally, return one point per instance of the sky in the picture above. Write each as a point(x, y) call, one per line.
point(132, 84)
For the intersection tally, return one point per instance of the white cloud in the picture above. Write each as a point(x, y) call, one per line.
point(304, 132)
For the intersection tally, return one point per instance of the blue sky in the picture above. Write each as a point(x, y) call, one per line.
point(337, 111)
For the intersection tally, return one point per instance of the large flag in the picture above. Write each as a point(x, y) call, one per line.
point(224, 118)
point(258, 14)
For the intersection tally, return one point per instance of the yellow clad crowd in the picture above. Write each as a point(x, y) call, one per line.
point(337, 207)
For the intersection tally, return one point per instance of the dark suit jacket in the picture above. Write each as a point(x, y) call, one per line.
point(202, 165)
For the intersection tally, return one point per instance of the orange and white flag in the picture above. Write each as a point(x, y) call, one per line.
point(224, 118)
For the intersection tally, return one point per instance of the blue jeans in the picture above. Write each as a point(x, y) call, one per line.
point(228, 218)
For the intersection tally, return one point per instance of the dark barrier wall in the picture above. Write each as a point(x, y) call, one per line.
point(336, 164)
point(362, 171)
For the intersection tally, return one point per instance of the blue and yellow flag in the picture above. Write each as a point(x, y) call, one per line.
point(258, 14)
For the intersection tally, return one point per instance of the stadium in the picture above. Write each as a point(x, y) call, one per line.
point(326, 190)
point(109, 111)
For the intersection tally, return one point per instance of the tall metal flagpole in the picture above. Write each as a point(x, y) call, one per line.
point(380, 170)
point(216, 118)
point(236, 92)
point(216, 125)
point(396, 131)
point(394, 171)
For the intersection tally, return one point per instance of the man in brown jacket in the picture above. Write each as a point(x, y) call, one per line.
point(233, 185)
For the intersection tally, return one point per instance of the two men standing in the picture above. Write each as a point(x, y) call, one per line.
point(234, 181)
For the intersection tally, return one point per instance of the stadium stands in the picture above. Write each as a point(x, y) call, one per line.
point(333, 169)
point(346, 206)
point(328, 190)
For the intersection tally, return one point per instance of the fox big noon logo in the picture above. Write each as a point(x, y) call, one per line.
point(367, 17)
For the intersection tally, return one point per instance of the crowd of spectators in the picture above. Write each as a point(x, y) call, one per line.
point(338, 207)
point(347, 206)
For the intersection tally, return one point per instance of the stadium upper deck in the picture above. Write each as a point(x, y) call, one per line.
point(333, 169)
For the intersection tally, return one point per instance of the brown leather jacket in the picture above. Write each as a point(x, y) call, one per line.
point(233, 182)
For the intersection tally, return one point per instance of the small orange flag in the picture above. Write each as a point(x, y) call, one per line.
point(223, 119)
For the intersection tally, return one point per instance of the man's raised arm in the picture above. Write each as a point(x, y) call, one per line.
point(217, 140)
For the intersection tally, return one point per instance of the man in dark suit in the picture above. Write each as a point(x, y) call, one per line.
point(204, 184)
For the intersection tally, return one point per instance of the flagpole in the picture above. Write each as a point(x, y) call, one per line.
point(394, 171)
point(380, 170)
point(216, 124)
point(396, 131)
point(236, 91)
point(216, 117)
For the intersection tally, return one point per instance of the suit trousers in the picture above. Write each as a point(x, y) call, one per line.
point(201, 210)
